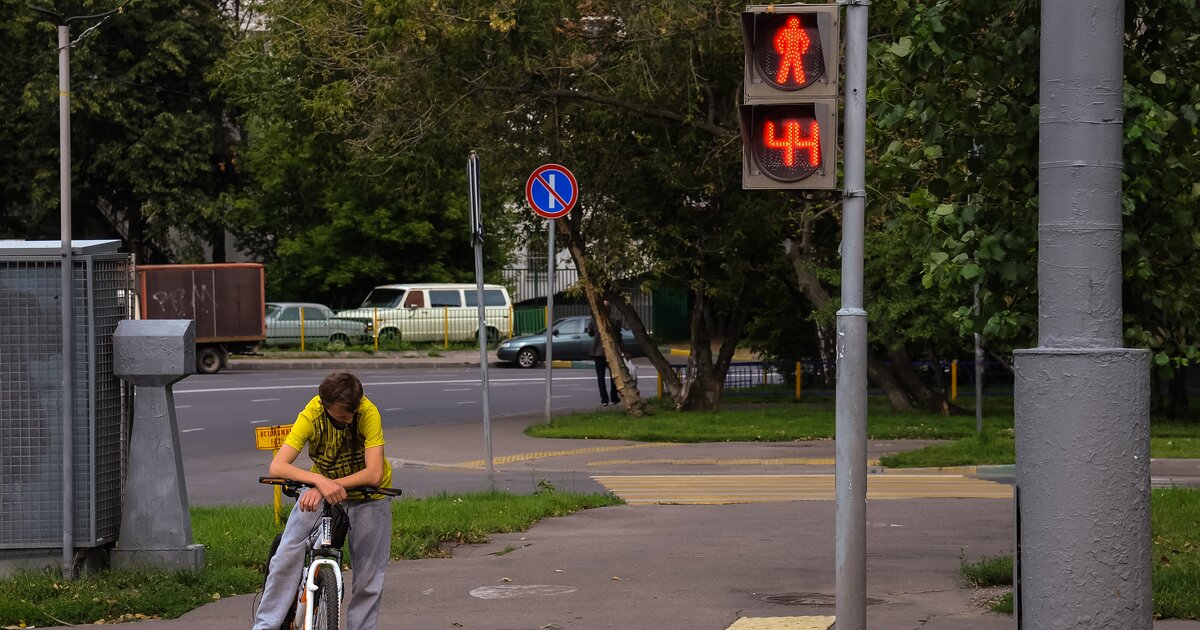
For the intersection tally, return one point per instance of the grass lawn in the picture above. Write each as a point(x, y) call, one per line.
point(237, 540)
point(1176, 556)
point(814, 420)
point(765, 423)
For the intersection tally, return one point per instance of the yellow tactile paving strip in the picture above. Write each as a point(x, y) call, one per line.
point(725, 489)
point(523, 457)
point(783, 623)
point(716, 461)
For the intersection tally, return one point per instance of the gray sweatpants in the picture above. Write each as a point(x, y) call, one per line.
point(370, 548)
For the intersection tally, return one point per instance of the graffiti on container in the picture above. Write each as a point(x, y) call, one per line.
point(178, 303)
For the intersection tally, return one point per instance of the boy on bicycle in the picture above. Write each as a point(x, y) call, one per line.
point(344, 434)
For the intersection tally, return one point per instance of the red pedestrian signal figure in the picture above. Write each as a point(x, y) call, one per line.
point(791, 42)
point(787, 51)
point(795, 139)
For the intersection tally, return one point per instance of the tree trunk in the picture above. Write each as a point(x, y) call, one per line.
point(879, 374)
point(924, 397)
point(810, 285)
point(631, 398)
point(705, 382)
point(670, 379)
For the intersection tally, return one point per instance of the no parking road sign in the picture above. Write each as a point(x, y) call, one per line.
point(552, 191)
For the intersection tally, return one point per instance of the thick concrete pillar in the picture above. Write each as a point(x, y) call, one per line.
point(1082, 400)
point(156, 528)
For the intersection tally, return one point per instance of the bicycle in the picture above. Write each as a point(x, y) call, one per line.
point(320, 588)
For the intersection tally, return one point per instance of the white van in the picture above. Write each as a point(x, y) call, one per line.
point(434, 312)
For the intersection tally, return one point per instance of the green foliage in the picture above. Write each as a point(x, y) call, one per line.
point(357, 181)
point(978, 189)
point(149, 149)
point(1002, 604)
point(955, 145)
point(987, 571)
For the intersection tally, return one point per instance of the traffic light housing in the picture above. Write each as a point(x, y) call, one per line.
point(789, 119)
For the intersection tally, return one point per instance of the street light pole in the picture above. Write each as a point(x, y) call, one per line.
point(68, 264)
point(66, 298)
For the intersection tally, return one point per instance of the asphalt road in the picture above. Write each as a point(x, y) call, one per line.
point(217, 415)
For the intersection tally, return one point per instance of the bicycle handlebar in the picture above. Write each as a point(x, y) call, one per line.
point(296, 486)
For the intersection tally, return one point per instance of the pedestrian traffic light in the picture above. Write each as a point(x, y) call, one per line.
point(789, 120)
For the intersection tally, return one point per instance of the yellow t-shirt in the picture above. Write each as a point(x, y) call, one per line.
point(338, 453)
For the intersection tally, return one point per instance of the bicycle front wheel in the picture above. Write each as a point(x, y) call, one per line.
point(326, 606)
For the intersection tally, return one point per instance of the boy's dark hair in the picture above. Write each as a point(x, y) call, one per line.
point(341, 388)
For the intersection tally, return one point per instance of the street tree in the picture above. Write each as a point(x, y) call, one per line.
point(149, 148)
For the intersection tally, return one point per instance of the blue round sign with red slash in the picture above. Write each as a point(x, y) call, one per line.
point(552, 191)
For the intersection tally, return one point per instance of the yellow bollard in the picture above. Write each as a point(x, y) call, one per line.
point(278, 491)
point(375, 329)
point(446, 327)
point(799, 372)
point(301, 329)
point(546, 317)
point(954, 380)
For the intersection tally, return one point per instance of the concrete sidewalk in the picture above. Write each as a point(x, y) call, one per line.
point(686, 567)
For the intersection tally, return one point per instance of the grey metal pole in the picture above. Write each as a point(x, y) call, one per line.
point(481, 333)
point(1082, 400)
point(68, 364)
point(550, 273)
point(978, 371)
point(851, 391)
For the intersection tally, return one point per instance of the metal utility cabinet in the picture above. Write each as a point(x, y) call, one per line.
point(225, 300)
point(31, 402)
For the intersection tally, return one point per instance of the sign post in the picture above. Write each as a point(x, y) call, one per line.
point(551, 191)
point(481, 330)
point(270, 439)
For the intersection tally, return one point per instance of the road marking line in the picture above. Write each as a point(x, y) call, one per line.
point(716, 461)
point(465, 389)
point(264, 400)
point(783, 623)
point(190, 430)
point(258, 421)
point(182, 406)
point(394, 409)
point(723, 489)
point(509, 459)
point(466, 402)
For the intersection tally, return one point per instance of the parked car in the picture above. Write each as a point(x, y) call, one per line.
point(433, 312)
point(571, 343)
point(320, 325)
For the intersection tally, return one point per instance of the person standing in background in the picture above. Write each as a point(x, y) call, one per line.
point(608, 395)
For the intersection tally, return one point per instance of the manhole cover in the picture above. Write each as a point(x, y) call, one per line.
point(514, 591)
point(807, 599)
